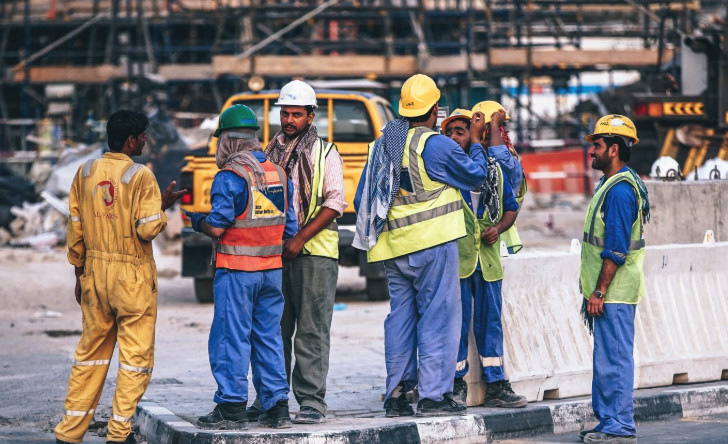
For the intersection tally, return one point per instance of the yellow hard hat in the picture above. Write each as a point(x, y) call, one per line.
point(488, 107)
point(459, 113)
point(419, 94)
point(614, 125)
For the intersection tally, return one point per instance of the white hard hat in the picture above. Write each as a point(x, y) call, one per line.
point(297, 93)
point(666, 168)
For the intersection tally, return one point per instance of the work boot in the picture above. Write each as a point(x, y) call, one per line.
point(309, 415)
point(460, 391)
point(607, 438)
point(254, 413)
point(500, 394)
point(583, 433)
point(446, 407)
point(226, 416)
point(129, 440)
point(398, 406)
point(276, 417)
point(60, 441)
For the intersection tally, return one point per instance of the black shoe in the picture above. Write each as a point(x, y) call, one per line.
point(254, 412)
point(277, 417)
point(398, 406)
point(446, 407)
point(309, 415)
point(583, 433)
point(607, 438)
point(58, 441)
point(226, 416)
point(129, 440)
point(460, 391)
point(500, 394)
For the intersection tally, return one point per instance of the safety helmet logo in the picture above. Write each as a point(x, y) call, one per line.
point(616, 122)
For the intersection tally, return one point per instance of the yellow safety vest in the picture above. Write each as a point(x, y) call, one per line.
point(471, 248)
point(628, 285)
point(511, 237)
point(326, 242)
point(432, 214)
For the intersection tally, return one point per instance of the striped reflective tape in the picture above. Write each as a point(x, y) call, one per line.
point(493, 361)
point(461, 365)
point(423, 216)
point(87, 168)
point(239, 250)
point(133, 368)
point(80, 412)
point(261, 222)
point(120, 418)
point(90, 363)
point(599, 242)
point(148, 219)
point(75, 219)
point(130, 172)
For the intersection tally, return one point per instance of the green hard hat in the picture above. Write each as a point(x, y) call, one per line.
point(237, 116)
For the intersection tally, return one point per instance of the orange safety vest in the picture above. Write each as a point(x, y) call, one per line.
point(254, 241)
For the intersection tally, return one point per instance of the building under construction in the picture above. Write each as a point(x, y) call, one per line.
point(75, 59)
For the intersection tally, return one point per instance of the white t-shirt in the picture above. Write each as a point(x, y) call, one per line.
point(475, 198)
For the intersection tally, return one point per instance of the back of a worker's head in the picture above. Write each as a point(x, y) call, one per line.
point(121, 125)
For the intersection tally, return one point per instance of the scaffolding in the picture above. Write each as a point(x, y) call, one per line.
point(191, 54)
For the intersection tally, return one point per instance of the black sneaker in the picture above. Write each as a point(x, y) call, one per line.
point(254, 411)
point(129, 440)
point(460, 391)
point(583, 433)
point(277, 417)
point(500, 394)
point(309, 415)
point(398, 406)
point(607, 438)
point(446, 407)
point(226, 416)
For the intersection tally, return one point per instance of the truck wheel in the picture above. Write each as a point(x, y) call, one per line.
point(203, 290)
point(377, 289)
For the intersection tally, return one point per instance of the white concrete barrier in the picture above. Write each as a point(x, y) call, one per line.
point(681, 331)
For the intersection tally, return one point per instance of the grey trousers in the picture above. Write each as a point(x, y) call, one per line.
point(309, 287)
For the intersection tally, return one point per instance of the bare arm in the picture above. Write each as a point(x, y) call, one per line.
point(595, 305)
point(490, 234)
point(294, 245)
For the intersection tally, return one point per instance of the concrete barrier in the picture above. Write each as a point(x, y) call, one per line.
point(681, 332)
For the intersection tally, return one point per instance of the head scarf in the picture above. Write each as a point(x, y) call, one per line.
point(237, 147)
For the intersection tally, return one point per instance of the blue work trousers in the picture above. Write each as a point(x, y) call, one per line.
point(613, 380)
point(246, 332)
point(424, 318)
point(487, 301)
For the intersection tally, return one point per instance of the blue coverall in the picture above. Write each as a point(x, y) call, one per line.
point(425, 311)
point(248, 308)
point(613, 378)
point(486, 297)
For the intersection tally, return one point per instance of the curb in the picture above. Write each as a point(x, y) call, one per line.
point(160, 426)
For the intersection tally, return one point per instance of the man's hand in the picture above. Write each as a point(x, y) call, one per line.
point(169, 197)
point(497, 119)
point(490, 235)
point(78, 290)
point(477, 127)
point(195, 219)
point(595, 306)
point(292, 246)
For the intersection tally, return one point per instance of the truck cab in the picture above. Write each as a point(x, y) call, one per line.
point(350, 119)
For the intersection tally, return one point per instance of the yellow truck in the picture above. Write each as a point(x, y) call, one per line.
point(350, 119)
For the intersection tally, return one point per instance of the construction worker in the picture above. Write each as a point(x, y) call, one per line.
point(489, 211)
point(409, 216)
point(116, 210)
point(310, 258)
point(504, 152)
point(612, 279)
point(250, 217)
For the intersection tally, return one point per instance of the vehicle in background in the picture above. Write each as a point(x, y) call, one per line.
point(348, 118)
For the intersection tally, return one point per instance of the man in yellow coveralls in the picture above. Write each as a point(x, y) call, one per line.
point(116, 210)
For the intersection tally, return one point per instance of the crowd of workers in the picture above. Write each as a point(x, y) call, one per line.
point(273, 219)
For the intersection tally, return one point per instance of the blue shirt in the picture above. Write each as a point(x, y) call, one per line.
point(446, 162)
point(229, 198)
point(620, 212)
point(512, 168)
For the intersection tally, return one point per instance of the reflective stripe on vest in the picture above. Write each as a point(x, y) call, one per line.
point(511, 236)
point(326, 242)
point(254, 241)
point(471, 248)
point(627, 286)
point(430, 214)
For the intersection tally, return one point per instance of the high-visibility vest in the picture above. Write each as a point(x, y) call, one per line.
point(471, 248)
point(326, 241)
point(255, 241)
point(430, 215)
point(510, 236)
point(628, 284)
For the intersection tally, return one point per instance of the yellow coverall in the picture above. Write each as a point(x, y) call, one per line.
point(116, 211)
